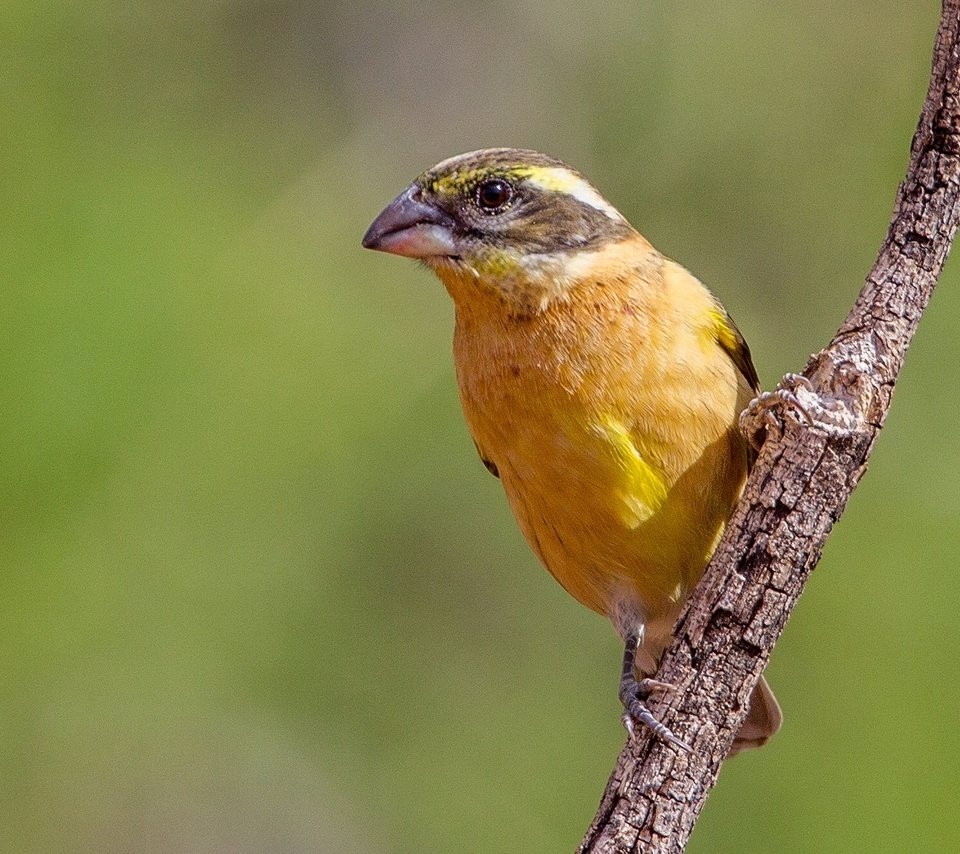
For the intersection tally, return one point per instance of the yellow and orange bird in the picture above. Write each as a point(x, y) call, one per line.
point(602, 383)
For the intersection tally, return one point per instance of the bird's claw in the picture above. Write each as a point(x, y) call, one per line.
point(765, 412)
point(635, 711)
point(648, 686)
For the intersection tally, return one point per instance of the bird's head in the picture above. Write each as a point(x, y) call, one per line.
point(515, 224)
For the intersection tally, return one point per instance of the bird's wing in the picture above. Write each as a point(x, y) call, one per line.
point(733, 344)
point(489, 464)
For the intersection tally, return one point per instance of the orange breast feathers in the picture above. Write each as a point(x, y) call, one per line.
point(611, 416)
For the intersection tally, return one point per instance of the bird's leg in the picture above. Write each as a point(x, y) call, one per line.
point(634, 691)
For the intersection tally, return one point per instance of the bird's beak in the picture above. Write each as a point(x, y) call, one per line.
point(412, 227)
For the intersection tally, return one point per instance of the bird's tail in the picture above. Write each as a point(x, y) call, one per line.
point(763, 719)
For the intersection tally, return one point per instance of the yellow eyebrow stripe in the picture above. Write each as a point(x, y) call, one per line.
point(551, 178)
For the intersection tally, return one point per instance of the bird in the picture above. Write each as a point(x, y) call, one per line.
point(601, 382)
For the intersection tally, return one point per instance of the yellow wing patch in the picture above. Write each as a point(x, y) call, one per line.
point(642, 490)
point(726, 334)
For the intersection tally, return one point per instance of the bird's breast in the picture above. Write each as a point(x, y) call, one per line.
point(620, 466)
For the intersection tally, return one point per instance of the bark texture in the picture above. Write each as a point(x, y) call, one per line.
point(797, 490)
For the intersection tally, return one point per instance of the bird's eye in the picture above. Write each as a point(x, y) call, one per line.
point(493, 194)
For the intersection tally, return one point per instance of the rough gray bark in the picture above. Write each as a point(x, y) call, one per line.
point(796, 491)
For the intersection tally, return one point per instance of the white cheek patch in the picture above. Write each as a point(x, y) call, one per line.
point(578, 265)
point(542, 278)
point(564, 181)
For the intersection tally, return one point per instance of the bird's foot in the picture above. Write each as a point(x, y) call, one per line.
point(794, 395)
point(633, 693)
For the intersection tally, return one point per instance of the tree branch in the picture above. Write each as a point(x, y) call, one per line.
point(797, 490)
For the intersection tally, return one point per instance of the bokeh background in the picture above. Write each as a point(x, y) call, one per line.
point(258, 594)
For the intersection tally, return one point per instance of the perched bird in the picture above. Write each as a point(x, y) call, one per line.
point(601, 382)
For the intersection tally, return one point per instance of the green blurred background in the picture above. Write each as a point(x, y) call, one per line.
point(258, 592)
